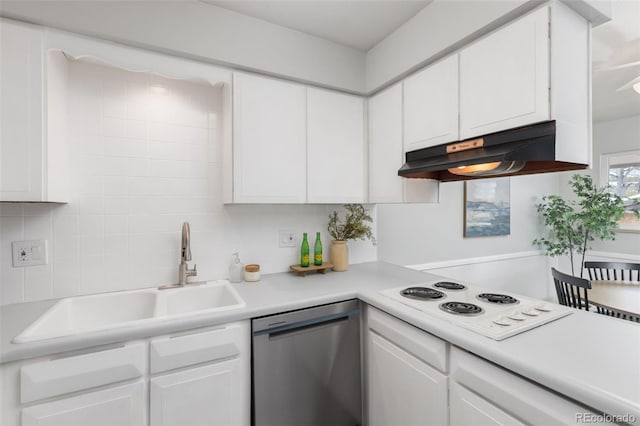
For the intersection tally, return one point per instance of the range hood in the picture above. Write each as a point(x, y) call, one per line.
point(519, 151)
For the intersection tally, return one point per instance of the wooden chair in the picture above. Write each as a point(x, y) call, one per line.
point(616, 313)
point(613, 271)
point(571, 291)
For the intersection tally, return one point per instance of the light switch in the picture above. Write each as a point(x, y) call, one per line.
point(36, 253)
point(29, 253)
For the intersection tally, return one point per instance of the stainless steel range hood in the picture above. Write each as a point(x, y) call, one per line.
point(520, 151)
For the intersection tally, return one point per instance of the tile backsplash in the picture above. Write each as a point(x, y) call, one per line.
point(145, 156)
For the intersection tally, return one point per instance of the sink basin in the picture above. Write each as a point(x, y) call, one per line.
point(83, 314)
point(217, 296)
point(89, 313)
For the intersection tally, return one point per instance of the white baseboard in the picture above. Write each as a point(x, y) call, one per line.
point(474, 260)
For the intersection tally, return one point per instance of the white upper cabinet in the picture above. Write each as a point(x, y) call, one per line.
point(336, 147)
point(504, 77)
point(431, 105)
point(269, 141)
point(386, 154)
point(29, 142)
point(385, 146)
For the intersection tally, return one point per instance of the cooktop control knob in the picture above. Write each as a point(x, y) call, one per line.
point(543, 307)
point(504, 321)
point(515, 315)
point(531, 313)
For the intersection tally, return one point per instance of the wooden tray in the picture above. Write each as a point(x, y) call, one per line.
point(302, 270)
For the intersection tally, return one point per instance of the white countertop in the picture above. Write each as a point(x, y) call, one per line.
point(591, 358)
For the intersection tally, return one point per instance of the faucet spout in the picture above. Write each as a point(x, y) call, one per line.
point(186, 242)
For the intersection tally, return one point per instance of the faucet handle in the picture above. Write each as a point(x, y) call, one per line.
point(195, 269)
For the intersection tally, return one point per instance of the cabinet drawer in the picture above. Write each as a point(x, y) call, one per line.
point(420, 344)
point(118, 406)
point(513, 395)
point(171, 352)
point(57, 377)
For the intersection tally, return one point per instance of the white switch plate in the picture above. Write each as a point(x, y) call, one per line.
point(287, 238)
point(29, 253)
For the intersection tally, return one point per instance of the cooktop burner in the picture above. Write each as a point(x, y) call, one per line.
point(461, 308)
point(422, 293)
point(449, 285)
point(501, 299)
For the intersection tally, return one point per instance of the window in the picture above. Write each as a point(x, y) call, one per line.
point(621, 171)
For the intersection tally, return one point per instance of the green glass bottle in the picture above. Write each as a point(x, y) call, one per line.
point(304, 251)
point(317, 251)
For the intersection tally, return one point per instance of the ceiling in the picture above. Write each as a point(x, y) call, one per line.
point(360, 24)
point(616, 62)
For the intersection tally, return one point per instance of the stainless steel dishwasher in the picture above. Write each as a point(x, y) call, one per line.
point(306, 367)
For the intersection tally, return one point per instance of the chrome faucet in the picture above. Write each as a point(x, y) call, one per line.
point(183, 269)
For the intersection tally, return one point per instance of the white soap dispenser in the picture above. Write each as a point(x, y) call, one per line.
point(235, 269)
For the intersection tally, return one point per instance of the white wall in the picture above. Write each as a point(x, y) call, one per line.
point(438, 29)
point(209, 33)
point(421, 234)
point(526, 273)
point(204, 32)
point(610, 137)
point(145, 156)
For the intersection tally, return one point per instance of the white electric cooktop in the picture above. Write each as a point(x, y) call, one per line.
point(494, 314)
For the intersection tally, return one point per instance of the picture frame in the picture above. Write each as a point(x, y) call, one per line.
point(487, 207)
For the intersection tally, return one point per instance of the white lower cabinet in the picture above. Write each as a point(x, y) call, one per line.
point(468, 408)
point(119, 406)
point(482, 393)
point(198, 396)
point(218, 393)
point(404, 384)
point(199, 377)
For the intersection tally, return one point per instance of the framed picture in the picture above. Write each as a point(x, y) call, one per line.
point(487, 207)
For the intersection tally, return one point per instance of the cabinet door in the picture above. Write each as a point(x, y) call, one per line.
point(504, 77)
point(467, 408)
point(335, 147)
point(21, 132)
point(269, 141)
point(121, 406)
point(211, 395)
point(402, 389)
point(385, 146)
point(431, 105)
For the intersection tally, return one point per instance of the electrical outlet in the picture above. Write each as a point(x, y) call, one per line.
point(287, 238)
point(29, 253)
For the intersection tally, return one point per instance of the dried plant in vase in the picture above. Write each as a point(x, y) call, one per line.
point(355, 227)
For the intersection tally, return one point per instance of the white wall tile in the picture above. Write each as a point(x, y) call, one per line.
point(114, 147)
point(137, 129)
point(38, 283)
point(11, 228)
point(37, 227)
point(65, 225)
point(114, 127)
point(115, 224)
point(137, 148)
point(10, 209)
point(66, 275)
point(143, 161)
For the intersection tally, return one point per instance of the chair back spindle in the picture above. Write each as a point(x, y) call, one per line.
point(613, 271)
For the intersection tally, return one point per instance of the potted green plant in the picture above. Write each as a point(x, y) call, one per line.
point(355, 226)
point(573, 224)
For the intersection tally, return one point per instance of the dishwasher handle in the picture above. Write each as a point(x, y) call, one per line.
point(308, 324)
